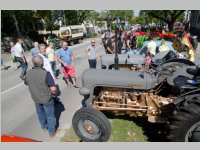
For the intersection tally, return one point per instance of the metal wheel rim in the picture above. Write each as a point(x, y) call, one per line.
point(96, 130)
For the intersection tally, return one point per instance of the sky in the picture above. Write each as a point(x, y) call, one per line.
point(136, 13)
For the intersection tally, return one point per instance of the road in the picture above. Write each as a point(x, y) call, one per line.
point(18, 116)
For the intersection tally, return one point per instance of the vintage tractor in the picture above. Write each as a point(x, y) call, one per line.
point(134, 93)
point(138, 94)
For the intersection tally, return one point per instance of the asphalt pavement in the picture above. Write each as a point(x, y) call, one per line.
point(18, 115)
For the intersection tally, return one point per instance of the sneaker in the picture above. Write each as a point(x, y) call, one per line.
point(76, 86)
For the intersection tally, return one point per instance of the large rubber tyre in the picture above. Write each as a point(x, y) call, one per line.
point(185, 124)
point(91, 125)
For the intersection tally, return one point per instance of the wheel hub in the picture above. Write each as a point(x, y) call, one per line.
point(88, 128)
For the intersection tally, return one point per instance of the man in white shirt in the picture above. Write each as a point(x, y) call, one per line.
point(19, 54)
point(47, 65)
point(151, 47)
point(163, 47)
point(92, 54)
point(50, 53)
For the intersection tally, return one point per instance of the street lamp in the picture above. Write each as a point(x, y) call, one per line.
point(117, 25)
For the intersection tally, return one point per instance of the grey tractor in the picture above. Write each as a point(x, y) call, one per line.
point(137, 94)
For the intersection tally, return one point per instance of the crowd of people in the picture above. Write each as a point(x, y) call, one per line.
point(41, 78)
point(127, 42)
point(51, 57)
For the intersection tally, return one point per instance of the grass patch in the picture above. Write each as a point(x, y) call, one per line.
point(122, 131)
point(126, 131)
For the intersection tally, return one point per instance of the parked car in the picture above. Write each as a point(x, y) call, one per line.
point(72, 34)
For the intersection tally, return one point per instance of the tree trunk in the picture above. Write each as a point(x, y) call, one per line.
point(22, 28)
point(16, 25)
point(170, 26)
point(33, 26)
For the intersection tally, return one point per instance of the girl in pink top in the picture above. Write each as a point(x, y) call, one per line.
point(148, 58)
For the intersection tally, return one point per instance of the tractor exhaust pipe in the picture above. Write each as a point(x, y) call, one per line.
point(116, 50)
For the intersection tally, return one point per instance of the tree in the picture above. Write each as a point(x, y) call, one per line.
point(123, 15)
point(167, 16)
point(50, 17)
point(76, 17)
point(15, 21)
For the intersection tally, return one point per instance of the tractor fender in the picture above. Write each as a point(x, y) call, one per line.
point(180, 60)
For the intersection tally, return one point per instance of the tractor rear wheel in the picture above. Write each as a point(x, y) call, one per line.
point(185, 125)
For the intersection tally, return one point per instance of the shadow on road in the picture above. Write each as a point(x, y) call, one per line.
point(154, 131)
point(5, 68)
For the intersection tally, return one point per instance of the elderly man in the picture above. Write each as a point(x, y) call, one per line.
point(65, 57)
point(92, 54)
point(47, 64)
point(35, 50)
point(19, 54)
point(42, 87)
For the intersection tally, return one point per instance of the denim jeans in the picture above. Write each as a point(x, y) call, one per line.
point(23, 65)
point(92, 63)
point(46, 116)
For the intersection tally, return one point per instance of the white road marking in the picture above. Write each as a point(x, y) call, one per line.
point(12, 88)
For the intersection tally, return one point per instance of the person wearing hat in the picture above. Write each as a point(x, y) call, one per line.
point(163, 47)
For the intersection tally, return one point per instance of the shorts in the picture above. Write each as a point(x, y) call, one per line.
point(68, 70)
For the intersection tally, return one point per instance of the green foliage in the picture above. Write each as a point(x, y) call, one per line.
point(110, 15)
point(15, 22)
point(76, 17)
point(18, 22)
point(123, 15)
point(144, 18)
point(167, 16)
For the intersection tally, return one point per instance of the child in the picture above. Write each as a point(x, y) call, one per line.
point(148, 58)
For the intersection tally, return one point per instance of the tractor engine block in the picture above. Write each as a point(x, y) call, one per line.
point(134, 103)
